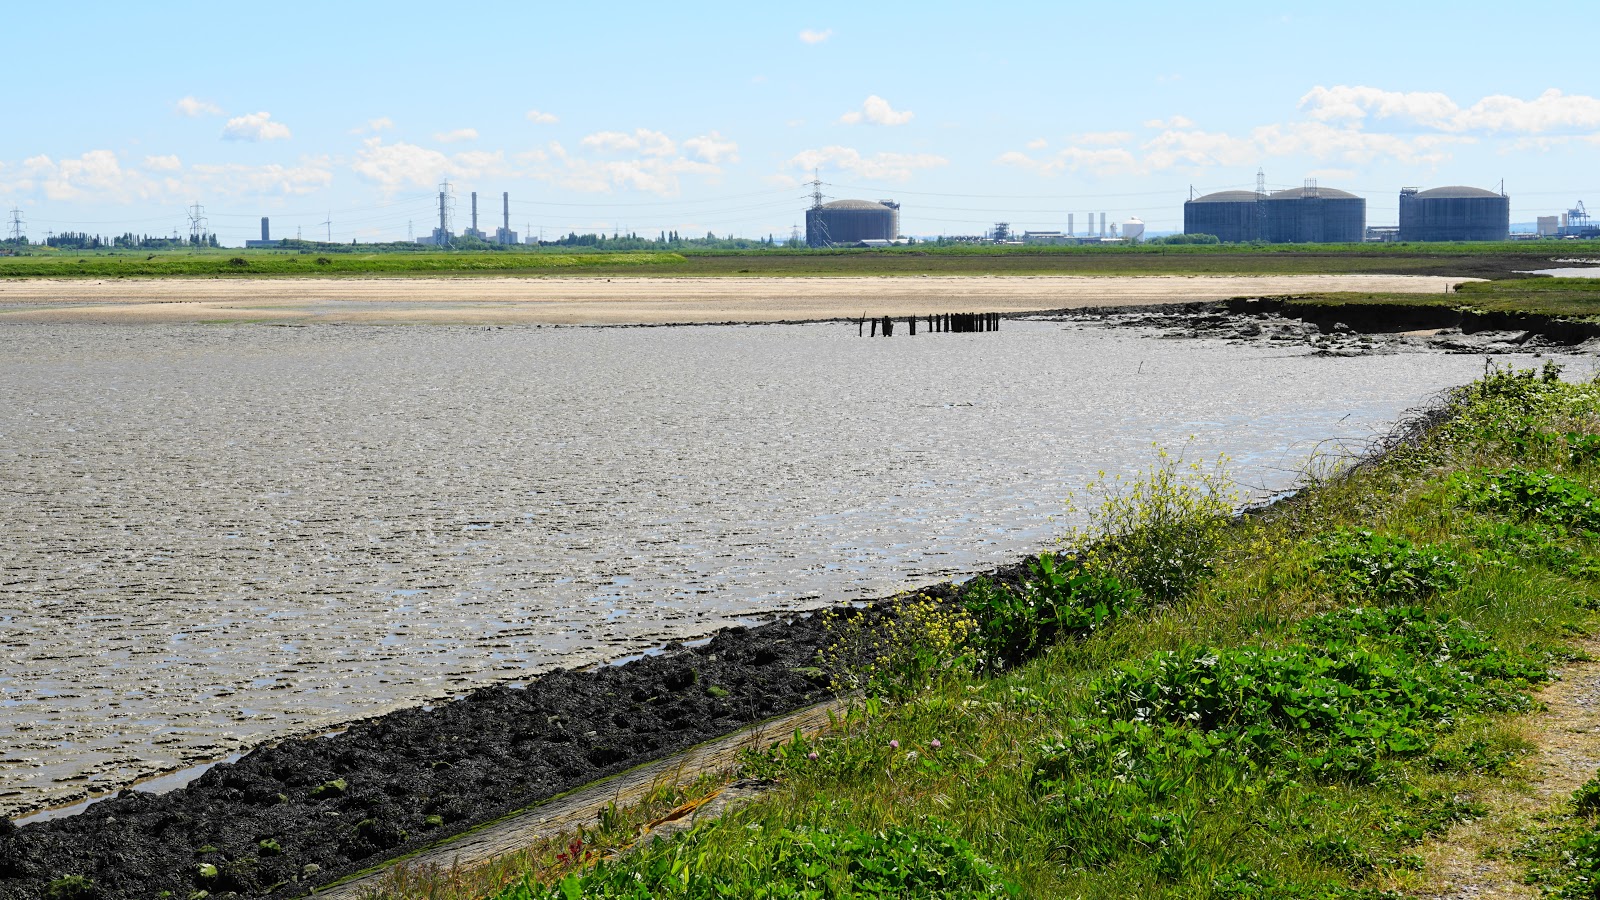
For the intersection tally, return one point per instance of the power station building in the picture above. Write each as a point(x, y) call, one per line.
point(1302, 215)
point(1454, 213)
point(846, 222)
point(1235, 217)
point(1315, 215)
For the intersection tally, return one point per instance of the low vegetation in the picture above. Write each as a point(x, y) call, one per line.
point(1577, 298)
point(1486, 260)
point(1186, 703)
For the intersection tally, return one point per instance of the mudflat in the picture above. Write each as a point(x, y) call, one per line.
point(567, 300)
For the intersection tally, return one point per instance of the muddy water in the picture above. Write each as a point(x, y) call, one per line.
point(217, 535)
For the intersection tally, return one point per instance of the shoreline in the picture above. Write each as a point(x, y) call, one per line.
point(635, 300)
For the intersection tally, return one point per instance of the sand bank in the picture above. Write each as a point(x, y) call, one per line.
point(623, 301)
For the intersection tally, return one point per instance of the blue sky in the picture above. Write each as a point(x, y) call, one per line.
point(651, 117)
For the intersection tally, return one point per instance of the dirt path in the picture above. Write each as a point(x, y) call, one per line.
point(1472, 862)
point(619, 301)
point(583, 807)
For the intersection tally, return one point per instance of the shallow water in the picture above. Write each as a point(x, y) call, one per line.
point(220, 535)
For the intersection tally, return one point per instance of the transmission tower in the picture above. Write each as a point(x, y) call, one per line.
point(814, 218)
point(411, 234)
point(816, 189)
point(197, 223)
point(446, 213)
point(17, 226)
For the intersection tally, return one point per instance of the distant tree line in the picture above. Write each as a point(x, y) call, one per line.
point(666, 240)
point(1186, 239)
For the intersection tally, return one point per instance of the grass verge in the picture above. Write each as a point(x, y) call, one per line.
point(1282, 705)
point(1574, 298)
point(1485, 260)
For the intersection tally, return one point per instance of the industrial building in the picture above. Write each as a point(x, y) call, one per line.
point(846, 222)
point(1235, 217)
point(442, 237)
point(1302, 215)
point(266, 242)
point(1315, 215)
point(1454, 213)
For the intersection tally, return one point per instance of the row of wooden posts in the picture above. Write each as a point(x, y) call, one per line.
point(955, 323)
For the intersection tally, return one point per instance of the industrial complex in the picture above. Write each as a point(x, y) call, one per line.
point(1308, 214)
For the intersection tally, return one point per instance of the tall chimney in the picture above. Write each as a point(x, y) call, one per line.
point(505, 204)
point(266, 231)
point(474, 212)
point(441, 216)
point(1070, 232)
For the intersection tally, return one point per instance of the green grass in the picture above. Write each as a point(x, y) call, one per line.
point(1577, 298)
point(1490, 260)
point(1336, 681)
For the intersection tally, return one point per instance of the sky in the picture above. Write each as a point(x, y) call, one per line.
point(341, 119)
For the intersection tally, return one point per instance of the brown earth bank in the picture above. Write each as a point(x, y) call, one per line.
point(635, 301)
point(301, 813)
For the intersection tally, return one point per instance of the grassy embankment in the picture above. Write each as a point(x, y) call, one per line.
point(1289, 705)
point(1487, 260)
point(1574, 298)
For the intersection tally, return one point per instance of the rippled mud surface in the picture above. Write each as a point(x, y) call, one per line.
point(221, 535)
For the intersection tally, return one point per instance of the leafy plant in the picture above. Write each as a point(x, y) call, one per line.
point(1059, 599)
point(801, 864)
point(1161, 532)
point(1366, 565)
point(897, 651)
point(1538, 495)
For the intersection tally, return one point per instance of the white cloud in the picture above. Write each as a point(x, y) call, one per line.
point(309, 177)
point(879, 166)
point(643, 140)
point(255, 127)
point(460, 134)
point(876, 110)
point(812, 36)
point(1550, 111)
point(193, 108)
point(712, 148)
point(373, 126)
point(400, 164)
point(1037, 144)
point(94, 174)
point(1104, 138)
point(1174, 122)
point(541, 118)
point(99, 177)
point(1100, 161)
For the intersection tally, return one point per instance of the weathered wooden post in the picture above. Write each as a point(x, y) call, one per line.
point(888, 327)
point(874, 328)
point(911, 323)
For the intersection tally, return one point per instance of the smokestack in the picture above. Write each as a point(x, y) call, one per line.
point(441, 215)
point(266, 231)
point(1102, 224)
point(505, 205)
point(474, 211)
point(1070, 232)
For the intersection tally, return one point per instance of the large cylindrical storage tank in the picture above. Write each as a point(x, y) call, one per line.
point(1312, 215)
point(1454, 213)
point(1232, 216)
point(849, 221)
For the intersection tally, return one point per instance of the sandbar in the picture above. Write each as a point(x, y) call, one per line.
point(567, 300)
